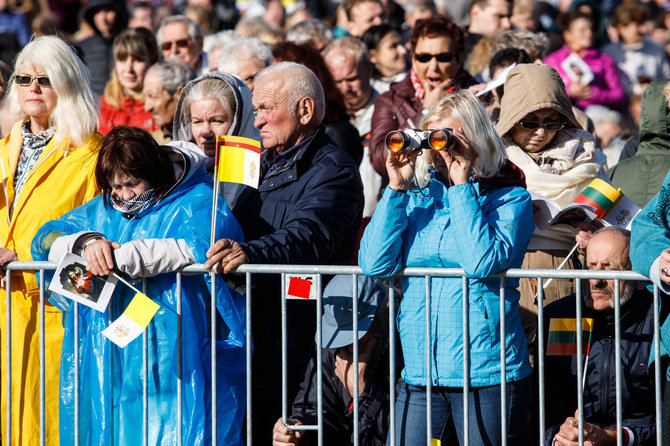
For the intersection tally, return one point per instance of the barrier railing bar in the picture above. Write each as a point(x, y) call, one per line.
point(540, 357)
point(284, 354)
point(145, 379)
point(319, 360)
point(249, 356)
point(617, 361)
point(42, 359)
point(392, 377)
point(355, 327)
point(657, 367)
point(429, 378)
point(580, 365)
point(212, 276)
point(76, 373)
point(466, 361)
point(503, 366)
point(179, 362)
point(8, 346)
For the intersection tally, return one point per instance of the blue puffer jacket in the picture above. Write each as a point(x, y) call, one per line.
point(480, 228)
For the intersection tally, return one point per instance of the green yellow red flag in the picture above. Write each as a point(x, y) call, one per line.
point(562, 339)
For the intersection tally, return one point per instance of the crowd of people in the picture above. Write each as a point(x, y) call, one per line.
point(110, 126)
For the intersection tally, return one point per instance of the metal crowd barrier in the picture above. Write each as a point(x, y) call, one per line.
point(317, 272)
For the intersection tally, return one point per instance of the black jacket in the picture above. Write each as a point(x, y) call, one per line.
point(637, 325)
point(338, 413)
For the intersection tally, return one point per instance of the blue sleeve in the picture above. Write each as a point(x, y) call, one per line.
point(380, 254)
point(650, 233)
point(496, 233)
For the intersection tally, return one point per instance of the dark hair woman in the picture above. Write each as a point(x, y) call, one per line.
point(153, 217)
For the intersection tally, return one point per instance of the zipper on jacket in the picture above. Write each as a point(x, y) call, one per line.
point(604, 395)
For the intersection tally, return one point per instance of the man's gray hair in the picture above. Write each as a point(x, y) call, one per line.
point(309, 30)
point(625, 233)
point(348, 45)
point(301, 82)
point(242, 48)
point(194, 31)
point(173, 74)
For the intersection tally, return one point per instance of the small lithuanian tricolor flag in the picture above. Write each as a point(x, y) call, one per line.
point(563, 336)
point(239, 160)
point(599, 195)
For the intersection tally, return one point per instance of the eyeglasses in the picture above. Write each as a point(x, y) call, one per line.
point(532, 125)
point(183, 43)
point(25, 80)
point(426, 57)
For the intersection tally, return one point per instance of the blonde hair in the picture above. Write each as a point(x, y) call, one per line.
point(76, 113)
point(464, 107)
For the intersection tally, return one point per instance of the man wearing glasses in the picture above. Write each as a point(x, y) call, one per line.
point(181, 39)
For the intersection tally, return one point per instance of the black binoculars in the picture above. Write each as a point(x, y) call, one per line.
point(399, 140)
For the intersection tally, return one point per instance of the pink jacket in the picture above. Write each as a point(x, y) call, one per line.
point(606, 86)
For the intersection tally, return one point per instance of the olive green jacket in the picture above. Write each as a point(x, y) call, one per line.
point(641, 176)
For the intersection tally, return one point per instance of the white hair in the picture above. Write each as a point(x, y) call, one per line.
point(309, 30)
point(464, 107)
point(76, 113)
point(194, 30)
point(301, 82)
point(242, 48)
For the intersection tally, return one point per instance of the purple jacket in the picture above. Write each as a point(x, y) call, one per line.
point(606, 87)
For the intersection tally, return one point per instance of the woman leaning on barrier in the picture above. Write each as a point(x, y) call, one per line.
point(468, 212)
point(153, 217)
point(47, 164)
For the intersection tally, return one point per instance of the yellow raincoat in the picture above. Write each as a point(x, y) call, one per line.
point(62, 179)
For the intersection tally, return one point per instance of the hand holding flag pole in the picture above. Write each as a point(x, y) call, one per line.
point(599, 195)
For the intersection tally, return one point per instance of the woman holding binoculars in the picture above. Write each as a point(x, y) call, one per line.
point(468, 209)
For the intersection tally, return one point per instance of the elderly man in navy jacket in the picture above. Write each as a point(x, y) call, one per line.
point(607, 250)
point(307, 210)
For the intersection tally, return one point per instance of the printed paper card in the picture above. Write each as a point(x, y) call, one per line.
point(73, 281)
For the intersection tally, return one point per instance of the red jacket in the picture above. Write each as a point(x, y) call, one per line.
point(131, 113)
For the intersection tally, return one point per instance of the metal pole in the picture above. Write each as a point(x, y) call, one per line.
point(8, 346)
point(319, 362)
point(145, 380)
point(76, 373)
point(392, 378)
point(42, 363)
point(540, 357)
point(429, 383)
point(580, 364)
point(248, 356)
point(180, 358)
point(284, 354)
point(657, 368)
point(503, 366)
point(466, 361)
point(213, 356)
point(355, 327)
point(617, 361)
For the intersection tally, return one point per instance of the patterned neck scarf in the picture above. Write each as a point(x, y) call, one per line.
point(32, 148)
point(136, 204)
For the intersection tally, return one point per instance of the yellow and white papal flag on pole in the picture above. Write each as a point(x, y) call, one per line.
point(133, 321)
point(239, 160)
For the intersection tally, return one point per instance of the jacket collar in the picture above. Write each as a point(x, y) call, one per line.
point(283, 168)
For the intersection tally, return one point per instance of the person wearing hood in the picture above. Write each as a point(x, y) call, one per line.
point(108, 18)
point(641, 177)
point(559, 159)
point(153, 217)
point(213, 105)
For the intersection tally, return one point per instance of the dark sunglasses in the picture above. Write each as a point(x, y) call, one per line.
point(25, 80)
point(426, 57)
point(532, 125)
point(183, 43)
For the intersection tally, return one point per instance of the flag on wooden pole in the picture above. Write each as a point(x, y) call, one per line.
point(600, 195)
point(563, 336)
point(239, 160)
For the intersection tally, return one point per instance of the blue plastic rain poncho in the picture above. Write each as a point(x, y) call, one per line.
point(110, 378)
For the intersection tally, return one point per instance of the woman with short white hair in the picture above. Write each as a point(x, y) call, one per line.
point(47, 164)
point(458, 204)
